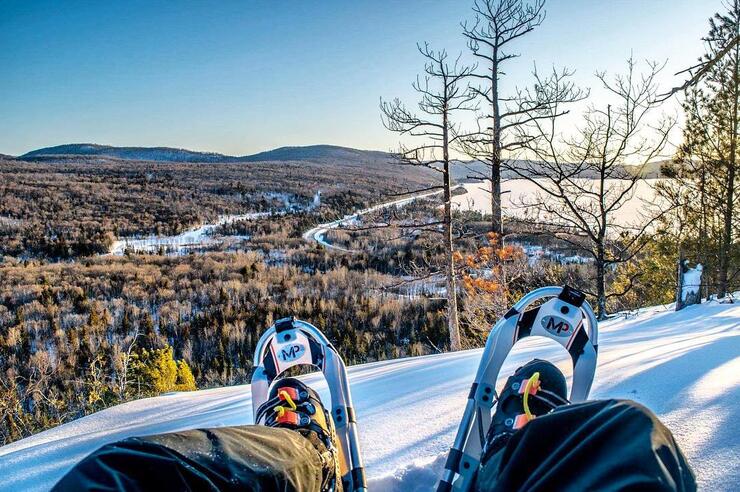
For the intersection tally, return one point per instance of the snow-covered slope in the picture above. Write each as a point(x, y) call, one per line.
point(685, 366)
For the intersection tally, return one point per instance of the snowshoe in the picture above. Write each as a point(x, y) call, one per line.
point(290, 343)
point(565, 317)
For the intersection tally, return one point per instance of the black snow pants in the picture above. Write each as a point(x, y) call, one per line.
point(605, 445)
point(599, 445)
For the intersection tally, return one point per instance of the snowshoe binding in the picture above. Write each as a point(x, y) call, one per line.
point(535, 389)
point(293, 405)
point(561, 314)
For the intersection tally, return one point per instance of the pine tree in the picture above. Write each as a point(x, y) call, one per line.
point(155, 372)
point(185, 380)
point(705, 173)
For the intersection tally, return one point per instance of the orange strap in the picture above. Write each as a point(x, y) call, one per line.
point(289, 417)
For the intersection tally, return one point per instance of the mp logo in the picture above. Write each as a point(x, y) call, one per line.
point(291, 352)
point(557, 326)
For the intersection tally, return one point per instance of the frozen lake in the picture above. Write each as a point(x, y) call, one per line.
point(204, 235)
point(521, 191)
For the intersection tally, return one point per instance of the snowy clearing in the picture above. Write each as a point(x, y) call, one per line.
point(685, 366)
point(195, 237)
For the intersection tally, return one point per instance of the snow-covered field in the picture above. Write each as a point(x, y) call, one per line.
point(195, 237)
point(522, 191)
point(685, 366)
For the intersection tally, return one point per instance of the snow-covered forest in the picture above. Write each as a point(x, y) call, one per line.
point(134, 279)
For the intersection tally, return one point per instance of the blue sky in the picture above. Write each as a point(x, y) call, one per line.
point(239, 77)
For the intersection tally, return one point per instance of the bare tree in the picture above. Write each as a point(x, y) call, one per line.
point(584, 180)
point(497, 24)
point(123, 363)
point(443, 92)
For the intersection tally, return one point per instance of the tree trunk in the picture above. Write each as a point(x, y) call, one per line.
point(679, 280)
point(601, 283)
point(452, 315)
point(497, 224)
point(726, 242)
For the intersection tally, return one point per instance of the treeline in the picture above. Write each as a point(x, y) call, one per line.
point(71, 335)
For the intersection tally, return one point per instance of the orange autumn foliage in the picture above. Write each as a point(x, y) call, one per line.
point(483, 269)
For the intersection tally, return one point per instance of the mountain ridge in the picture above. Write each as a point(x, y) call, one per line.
point(171, 154)
point(319, 153)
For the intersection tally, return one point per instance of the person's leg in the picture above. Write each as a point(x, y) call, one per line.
point(254, 458)
point(599, 445)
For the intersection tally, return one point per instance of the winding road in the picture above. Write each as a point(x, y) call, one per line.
point(317, 233)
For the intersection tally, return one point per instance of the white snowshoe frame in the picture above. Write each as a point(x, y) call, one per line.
point(561, 318)
point(291, 342)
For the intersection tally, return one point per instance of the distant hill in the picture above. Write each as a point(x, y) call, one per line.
point(316, 153)
point(319, 153)
point(157, 154)
point(466, 170)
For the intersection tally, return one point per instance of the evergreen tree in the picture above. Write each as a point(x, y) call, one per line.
point(185, 381)
point(155, 372)
point(704, 189)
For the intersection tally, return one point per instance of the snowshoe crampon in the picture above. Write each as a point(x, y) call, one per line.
point(565, 317)
point(290, 343)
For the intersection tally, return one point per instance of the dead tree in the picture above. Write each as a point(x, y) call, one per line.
point(583, 180)
point(443, 92)
point(497, 24)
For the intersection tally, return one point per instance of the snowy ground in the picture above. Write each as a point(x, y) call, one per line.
point(204, 235)
point(685, 366)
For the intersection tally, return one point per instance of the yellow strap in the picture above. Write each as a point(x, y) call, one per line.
point(532, 381)
point(287, 398)
point(281, 409)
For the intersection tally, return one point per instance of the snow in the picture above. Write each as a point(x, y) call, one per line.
point(536, 253)
point(684, 365)
point(204, 235)
point(9, 221)
point(691, 284)
point(200, 236)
